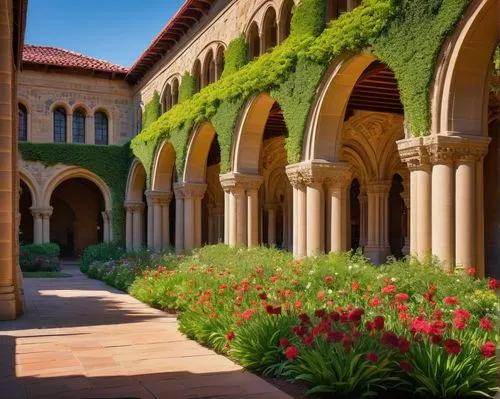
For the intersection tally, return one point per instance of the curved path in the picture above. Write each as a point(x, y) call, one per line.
point(80, 338)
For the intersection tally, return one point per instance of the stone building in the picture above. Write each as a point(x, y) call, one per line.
point(361, 179)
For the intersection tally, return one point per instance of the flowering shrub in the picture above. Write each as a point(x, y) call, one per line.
point(335, 322)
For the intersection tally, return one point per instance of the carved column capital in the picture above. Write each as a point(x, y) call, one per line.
point(414, 153)
point(41, 212)
point(158, 197)
point(319, 171)
point(238, 181)
point(378, 187)
point(134, 207)
point(189, 190)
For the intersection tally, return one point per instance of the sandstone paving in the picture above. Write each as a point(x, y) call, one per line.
point(82, 339)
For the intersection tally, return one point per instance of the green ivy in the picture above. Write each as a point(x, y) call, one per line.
point(111, 163)
point(405, 34)
point(187, 87)
point(152, 111)
point(235, 56)
point(410, 46)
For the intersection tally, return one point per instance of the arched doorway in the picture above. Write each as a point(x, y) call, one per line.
point(77, 220)
point(26, 233)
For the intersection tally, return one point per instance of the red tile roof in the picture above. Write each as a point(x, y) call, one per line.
point(67, 59)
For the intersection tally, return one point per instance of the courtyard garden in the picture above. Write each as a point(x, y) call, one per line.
point(335, 323)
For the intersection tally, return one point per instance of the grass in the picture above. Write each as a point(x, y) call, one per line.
point(46, 275)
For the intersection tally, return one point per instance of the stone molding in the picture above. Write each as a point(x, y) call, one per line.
point(378, 187)
point(189, 190)
point(318, 172)
point(41, 212)
point(158, 197)
point(438, 149)
point(238, 181)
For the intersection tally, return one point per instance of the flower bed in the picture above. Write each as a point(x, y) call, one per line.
point(336, 322)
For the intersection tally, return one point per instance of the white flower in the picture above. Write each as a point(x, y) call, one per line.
point(308, 285)
point(311, 271)
point(394, 279)
point(330, 292)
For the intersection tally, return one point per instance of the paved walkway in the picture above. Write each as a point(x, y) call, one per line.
point(82, 339)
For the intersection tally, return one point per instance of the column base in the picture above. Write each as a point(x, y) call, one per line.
point(8, 307)
point(377, 255)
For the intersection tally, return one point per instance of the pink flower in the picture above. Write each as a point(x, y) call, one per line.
point(449, 300)
point(461, 314)
point(375, 302)
point(247, 314)
point(486, 324)
point(388, 289)
point(471, 271)
point(329, 279)
point(460, 324)
point(402, 297)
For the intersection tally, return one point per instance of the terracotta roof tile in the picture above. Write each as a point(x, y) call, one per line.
point(64, 58)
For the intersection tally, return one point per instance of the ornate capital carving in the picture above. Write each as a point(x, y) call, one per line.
point(134, 207)
point(158, 197)
point(379, 187)
point(189, 190)
point(448, 149)
point(238, 181)
point(413, 152)
point(318, 171)
point(41, 212)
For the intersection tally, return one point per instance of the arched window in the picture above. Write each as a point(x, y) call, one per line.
point(59, 125)
point(270, 30)
point(101, 128)
point(253, 41)
point(175, 92)
point(209, 69)
point(286, 19)
point(167, 98)
point(219, 63)
point(197, 75)
point(79, 117)
point(23, 123)
point(334, 8)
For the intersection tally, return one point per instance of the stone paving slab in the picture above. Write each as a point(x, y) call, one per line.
point(82, 339)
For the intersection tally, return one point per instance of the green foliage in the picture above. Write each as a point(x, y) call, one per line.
point(179, 141)
point(152, 111)
point(187, 89)
point(104, 252)
point(308, 18)
point(224, 122)
point(410, 46)
point(235, 56)
point(111, 163)
point(39, 257)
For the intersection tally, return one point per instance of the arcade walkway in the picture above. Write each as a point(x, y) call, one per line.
point(82, 339)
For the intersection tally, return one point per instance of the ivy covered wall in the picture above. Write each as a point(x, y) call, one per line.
point(111, 163)
point(405, 34)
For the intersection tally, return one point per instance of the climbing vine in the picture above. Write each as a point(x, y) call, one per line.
point(111, 163)
point(187, 87)
point(235, 56)
point(152, 111)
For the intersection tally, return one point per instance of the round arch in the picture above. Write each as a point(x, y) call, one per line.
point(84, 107)
point(71, 173)
point(197, 153)
point(462, 79)
point(323, 137)
point(269, 29)
point(31, 183)
point(135, 182)
point(163, 168)
point(248, 142)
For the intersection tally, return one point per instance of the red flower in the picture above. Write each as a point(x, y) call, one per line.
point(260, 270)
point(291, 352)
point(460, 324)
point(461, 314)
point(375, 302)
point(403, 345)
point(308, 339)
point(488, 349)
point(355, 286)
point(471, 271)
point(263, 296)
point(356, 314)
point(230, 335)
point(284, 342)
point(378, 322)
point(437, 327)
point(372, 357)
point(320, 313)
point(436, 339)
point(388, 289)
point(274, 278)
point(347, 341)
point(321, 295)
point(334, 336)
point(493, 283)
point(369, 325)
point(299, 330)
point(389, 339)
point(304, 317)
point(406, 366)
point(420, 325)
point(329, 279)
point(486, 324)
point(449, 300)
point(258, 287)
point(402, 297)
point(247, 314)
point(452, 347)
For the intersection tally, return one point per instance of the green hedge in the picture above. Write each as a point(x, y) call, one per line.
point(405, 34)
point(103, 252)
point(39, 257)
point(111, 163)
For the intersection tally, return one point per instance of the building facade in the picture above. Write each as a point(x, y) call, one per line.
point(363, 180)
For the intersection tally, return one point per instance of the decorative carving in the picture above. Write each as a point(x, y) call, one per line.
point(41, 212)
point(238, 181)
point(158, 197)
point(134, 207)
point(189, 190)
point(318, 171)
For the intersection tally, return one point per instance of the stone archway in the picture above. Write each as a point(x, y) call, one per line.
point(135, 206)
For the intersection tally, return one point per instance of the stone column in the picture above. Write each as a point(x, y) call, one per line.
point(339, 218)
point(192, 194)
point(105, 226)
point(179, 219)
point(424, 209)
point(377, 248)
point(150, 220)
point(129, 237)
point(301, 221)
point(137, 225)
point(315, 218)
point(480, 245)
point(363, 217)
point(443, 207)
point(46, 214)
point(242, 191)
point(37, 225)
point(165, 229)
point(226, 215)
point(271, 224)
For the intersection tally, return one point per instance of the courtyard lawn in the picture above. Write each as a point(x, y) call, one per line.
point(46, 275)
point(335, 322)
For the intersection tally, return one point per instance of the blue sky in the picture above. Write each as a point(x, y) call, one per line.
point(114, 30)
